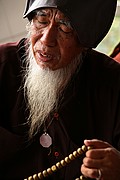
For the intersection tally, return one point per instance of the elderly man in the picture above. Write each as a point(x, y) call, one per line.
point(57, 93)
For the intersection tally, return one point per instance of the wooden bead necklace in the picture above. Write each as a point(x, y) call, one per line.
point(60, 164)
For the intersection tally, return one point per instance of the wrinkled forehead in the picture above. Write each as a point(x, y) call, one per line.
point(51, 12)
point(91, 19)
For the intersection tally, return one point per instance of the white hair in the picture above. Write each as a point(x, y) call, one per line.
point(43, 88)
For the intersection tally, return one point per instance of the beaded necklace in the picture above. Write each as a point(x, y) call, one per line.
point(59, 165)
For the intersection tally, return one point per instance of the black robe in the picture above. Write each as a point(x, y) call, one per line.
point(90, 109)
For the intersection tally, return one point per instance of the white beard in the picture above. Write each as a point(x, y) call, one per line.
point(43, 88)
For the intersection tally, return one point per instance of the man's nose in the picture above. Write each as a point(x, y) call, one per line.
point(49, 36)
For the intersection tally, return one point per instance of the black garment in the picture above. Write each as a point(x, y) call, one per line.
point(91, 109)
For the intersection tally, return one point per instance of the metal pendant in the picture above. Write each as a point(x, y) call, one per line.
point(45, 140)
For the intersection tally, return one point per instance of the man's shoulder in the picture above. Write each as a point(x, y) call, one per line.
point(103, 61)
point(102, 69)
point(9, 50)
point(7, 47)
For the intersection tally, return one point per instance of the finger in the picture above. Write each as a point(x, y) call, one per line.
point(95, 143)
point(92, 163)
point(96, 153)
point(90, 172)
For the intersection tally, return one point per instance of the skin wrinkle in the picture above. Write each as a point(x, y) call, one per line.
point(53, 42)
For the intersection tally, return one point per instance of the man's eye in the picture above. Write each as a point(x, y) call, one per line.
point(39, 23)
point(42, 22)
point(65, 28)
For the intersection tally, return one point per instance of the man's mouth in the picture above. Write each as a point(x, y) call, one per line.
point(44, 57)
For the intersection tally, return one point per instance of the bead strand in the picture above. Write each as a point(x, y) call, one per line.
point(60, 164)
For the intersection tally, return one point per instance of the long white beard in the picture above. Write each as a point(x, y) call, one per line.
point(43, 88)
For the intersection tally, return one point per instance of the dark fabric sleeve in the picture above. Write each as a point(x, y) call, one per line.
point(10, 142)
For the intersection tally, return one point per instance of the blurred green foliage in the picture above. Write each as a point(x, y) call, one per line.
point(112, 38)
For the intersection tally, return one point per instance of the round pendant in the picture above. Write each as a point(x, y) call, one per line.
point(45, 140)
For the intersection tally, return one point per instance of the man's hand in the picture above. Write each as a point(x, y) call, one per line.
point(103, 158)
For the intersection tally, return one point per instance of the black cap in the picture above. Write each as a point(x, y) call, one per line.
point(91, 19)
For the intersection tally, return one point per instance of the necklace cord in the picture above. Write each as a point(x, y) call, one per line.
point(60, 164)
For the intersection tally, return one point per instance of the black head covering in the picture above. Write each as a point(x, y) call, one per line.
point(91, 19)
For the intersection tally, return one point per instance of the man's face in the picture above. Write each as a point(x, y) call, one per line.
point(54, 42)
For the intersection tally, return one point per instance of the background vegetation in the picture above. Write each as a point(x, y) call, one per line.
point(113, 37)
